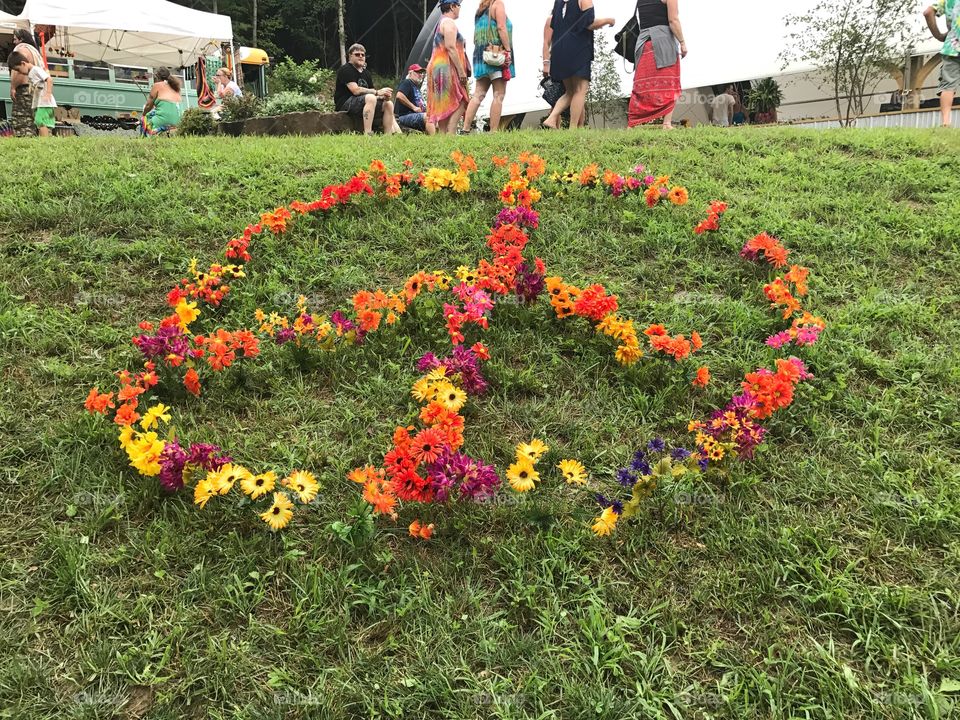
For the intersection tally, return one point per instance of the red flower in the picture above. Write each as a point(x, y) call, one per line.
point(427, 446)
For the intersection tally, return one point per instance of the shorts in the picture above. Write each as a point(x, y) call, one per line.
point(354, 105)
point(43, 117)
point(950, 74)
point(413, 121)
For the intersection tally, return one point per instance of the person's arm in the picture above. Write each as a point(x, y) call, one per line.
point(930, 15)
point(450, 43)
point(403, 100)
point(500, 17)
point(673, 16)
point(547, 44)
point(49, 94)
point(151, 99)
point(357, 90)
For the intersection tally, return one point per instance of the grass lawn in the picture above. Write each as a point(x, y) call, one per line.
point(818, 581)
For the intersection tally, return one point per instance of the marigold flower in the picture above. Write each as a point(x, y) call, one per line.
point(421, 531)
point(154, 415)
point(98, 402)
point(703, 377)
point(191, 382)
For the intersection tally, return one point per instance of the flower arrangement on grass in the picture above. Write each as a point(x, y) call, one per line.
point(426, 464)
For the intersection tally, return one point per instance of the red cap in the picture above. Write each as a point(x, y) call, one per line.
point(414, 68)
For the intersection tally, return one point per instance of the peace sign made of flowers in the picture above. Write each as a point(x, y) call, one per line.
point(425, 463)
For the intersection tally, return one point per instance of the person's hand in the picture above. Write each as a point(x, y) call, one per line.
point(610, 22)
point(683, 50)
point(546, 67)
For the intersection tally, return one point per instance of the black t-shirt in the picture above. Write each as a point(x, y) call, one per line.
point(346, 75)
point(412, 93)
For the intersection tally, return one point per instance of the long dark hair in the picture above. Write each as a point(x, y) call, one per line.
point(163, 75)
point(24, 36)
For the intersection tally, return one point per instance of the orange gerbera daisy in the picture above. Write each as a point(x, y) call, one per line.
point(703, 377)
point(427, 445)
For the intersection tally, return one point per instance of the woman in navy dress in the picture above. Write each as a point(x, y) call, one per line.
point(568, 55)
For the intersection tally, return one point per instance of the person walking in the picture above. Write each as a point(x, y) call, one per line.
point(493, 42)
point(21, 93)
point(568, 56)
point(447, 72)
point(656, 79)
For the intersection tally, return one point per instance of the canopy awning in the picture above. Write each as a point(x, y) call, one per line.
point(132, 32)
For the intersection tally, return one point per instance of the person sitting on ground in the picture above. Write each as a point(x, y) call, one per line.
point(42, 86)
point(355, 95)
point(410, 107)
point(226, 86)
point(162, 111)
point(950, 67)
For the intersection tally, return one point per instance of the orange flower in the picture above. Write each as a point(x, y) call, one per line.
point(703, 377)
point(377, 166)
point(679, 196)
point(129, 392)
point(481, 351)
point(427, 445)
point(127, 414)
point(655, 331)
point(97, 402)
point(418, 530)
point(191, 381)
point(696, 340)
point(500, 161)
point(589, 174)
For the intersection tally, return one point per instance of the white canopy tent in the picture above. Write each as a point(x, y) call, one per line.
point(131, 32)
point(728, 41)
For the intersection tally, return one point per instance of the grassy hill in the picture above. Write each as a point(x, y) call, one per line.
point(818, 581)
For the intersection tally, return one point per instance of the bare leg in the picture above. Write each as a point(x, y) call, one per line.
point(43, 131)
point(496, 109)
point(429, 127)
point(578, 102)
point(369, 110)
point(553, 122)
point(454, 119)
point(389, 122)
point(668, 121)
point(479, 93)
point(946, 107)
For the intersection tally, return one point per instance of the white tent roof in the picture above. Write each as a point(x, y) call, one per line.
point(136, 32)
point(729, 41)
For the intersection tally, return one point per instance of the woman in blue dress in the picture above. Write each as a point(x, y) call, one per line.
point(492, 27)
point(568, 55)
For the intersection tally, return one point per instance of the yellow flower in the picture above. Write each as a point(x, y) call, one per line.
point(256, 486)
point(144, 454)
point(437, 374)
point(422, 390)
point(304, 484)
point(629, 353)
point(573, 471)
point(126, 436)
point(222, 480)
point(460, 182)
point(452, 397)
point(187, 312)
point(531, 451)
point(152, 417)
point(279, 514)
point(605, 524)
point(522, 476)
point(463, 272)
point(203, 492)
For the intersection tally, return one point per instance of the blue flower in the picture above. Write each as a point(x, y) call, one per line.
point(657, 445)
point(703, 463)
point(639, 460)
point(625, 477)
point(680, 453)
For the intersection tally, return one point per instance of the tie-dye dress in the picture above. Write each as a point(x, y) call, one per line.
point(445, 92)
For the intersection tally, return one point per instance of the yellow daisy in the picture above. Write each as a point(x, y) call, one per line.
point(152, 417)
point(421, 390)
point(304, 484)
point(278, 515)
point(522, 476)
point(452, 397)
point(605, 524)
point(256, 486)
point(532, 450)
point(228, 476)
point(573, 471)
point(203, 492)
point(437, 374)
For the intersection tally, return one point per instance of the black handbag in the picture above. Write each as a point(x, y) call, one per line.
point(626, 40)
point(552, 90)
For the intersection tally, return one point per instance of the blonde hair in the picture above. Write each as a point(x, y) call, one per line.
point(484, 6)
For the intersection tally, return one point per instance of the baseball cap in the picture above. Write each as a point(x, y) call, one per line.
point(415, 68)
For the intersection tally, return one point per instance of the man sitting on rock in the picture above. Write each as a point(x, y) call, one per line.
point(355, 94)
point(411, 108)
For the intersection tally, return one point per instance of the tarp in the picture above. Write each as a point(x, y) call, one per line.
point(728, 42)
point(131, 32)
point(7, 20)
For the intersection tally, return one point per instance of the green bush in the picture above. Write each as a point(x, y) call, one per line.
point(196, 122)
point(306, 78)
point(238, 109)
point(288, 102)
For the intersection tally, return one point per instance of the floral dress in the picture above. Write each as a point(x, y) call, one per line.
point(445, 92)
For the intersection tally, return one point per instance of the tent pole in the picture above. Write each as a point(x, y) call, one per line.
point(233, 60)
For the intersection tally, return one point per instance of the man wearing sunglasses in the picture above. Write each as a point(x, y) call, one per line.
point(355, 94)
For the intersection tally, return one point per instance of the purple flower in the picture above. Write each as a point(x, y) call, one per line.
point(207, 456)
point(680, 454)
point(639, 460)
point(528, 284)
point(285, 335)
point(477, 481)
point(625, 477)
point(702, 463)
point(427, 363)
point(657, 445)
point(172, 461)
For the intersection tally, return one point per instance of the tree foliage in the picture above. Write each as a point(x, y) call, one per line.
point(853, 44)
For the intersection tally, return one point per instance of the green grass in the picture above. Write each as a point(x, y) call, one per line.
point(819, 581)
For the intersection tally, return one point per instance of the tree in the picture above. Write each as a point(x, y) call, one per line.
point(853, 44)
point(605, 96)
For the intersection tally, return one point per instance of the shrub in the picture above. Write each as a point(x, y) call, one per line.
point(238, 109)
point(307, 78)
point(288, 102)
point(195, 122)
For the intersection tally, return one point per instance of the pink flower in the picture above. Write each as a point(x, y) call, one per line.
point(808, 335)
point(779, 340)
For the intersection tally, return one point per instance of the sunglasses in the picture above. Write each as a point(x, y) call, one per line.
point(360, 54)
